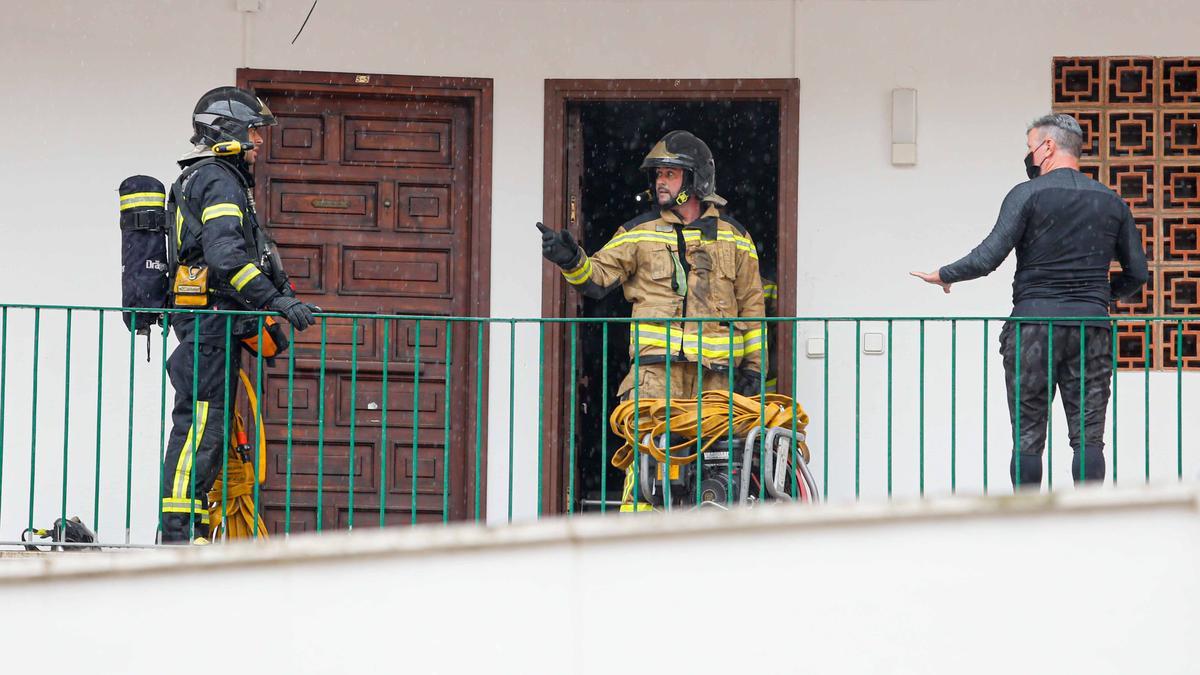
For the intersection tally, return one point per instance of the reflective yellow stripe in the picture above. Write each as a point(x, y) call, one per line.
point(178, 227)
point(742, 243)
point(183, 468)
point(708, 346)
point(173, 505)
point(222, 209)
point(580, 274)
point(636, 236)
point(193, 507)
point(754, 341)
point(142, 199)
point(739, 338)
point(770, 291)
point(244, 276)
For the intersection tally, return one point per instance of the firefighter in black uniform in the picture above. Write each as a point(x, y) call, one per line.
point(222, 259)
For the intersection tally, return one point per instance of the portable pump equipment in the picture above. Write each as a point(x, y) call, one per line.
point(750, 449)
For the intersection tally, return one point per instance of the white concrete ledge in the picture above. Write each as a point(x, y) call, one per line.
point(578, 530)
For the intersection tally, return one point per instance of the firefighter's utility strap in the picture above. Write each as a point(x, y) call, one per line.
point(772, 410)
point(239, 515)
point(260, 435)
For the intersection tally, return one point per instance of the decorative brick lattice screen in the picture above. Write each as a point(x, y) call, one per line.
point(1141, 120)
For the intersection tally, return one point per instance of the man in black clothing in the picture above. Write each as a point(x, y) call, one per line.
point(1066, 229)
point(214, 232)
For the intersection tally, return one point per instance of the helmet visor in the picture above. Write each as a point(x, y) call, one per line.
point(266, 117)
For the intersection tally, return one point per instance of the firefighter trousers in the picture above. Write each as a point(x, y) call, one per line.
point(1044, 368)
point(194, 449)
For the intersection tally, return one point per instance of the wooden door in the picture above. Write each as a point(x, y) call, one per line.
point(371, 197)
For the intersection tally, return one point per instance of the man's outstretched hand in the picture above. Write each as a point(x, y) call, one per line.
point(559, 247)
point(934, 278)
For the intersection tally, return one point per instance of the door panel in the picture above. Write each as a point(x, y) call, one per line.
point(369, 197)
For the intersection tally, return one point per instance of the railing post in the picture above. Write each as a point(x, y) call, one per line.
point(66, 419)
point(1050, 404)
point(512, 364)
point(291, 410)
point(1146, 371)
point(353, 422)
point(574, 378)
point(953, 406)
point(448, 399)
point(416, 421)
point(162, 426)
point(1016, 459)
point(258, 396)
point(604, 417)
point(857, 407)
point(985, 406)
point(478, 411)
point(824, 412)
point(321, 427)
point(3, 396)
point(99, 419)
point(541, 407)
point(921, 418)
point(1112, 336)
point(37, 325)
point(383, 424)
point(889, 407)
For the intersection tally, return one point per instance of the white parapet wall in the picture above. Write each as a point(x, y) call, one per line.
point(1093, 581)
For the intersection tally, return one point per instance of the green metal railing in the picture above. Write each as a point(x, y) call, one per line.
point(916, 417)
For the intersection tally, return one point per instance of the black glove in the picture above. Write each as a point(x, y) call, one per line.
point(747, 382)
point(559, 248)
point(297, 313)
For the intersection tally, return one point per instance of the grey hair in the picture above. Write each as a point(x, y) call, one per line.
point(1062, 128)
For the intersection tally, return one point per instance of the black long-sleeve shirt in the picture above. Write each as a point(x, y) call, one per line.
point(1067, 229)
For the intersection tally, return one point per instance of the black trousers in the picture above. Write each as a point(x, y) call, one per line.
point(1045, 368)
point(194, 449)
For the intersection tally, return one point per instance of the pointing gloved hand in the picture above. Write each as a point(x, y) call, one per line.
point(560, 247)
point(297, 313)
point(747, 382)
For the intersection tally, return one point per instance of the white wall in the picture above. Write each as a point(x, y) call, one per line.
point(1095, 583)
point(982, 71)
point(104, 90)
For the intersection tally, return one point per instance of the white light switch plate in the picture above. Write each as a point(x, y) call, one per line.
point(872, 343)
point(815, 348)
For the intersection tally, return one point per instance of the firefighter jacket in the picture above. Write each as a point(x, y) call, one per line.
point(213, 223)
point(651, 256)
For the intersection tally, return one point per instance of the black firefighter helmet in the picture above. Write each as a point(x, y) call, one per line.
point(682, 150)
point(223, 117)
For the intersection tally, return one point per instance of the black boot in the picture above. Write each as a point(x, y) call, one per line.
point(1031, 470)
point(1092, 459)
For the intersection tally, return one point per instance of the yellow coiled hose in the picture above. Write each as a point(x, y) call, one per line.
point(711, 417)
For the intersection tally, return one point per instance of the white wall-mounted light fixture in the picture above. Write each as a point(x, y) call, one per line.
point(904, 127)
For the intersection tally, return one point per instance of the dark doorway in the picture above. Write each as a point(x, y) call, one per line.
point(604, 136)
point(614, 136)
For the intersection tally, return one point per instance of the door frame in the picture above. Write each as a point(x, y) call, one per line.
point(558, 94)
point(476, 93)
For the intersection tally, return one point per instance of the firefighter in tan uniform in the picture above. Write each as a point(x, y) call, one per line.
point(681, 260)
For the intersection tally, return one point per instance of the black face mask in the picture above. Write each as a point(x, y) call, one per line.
point(1033, 170)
